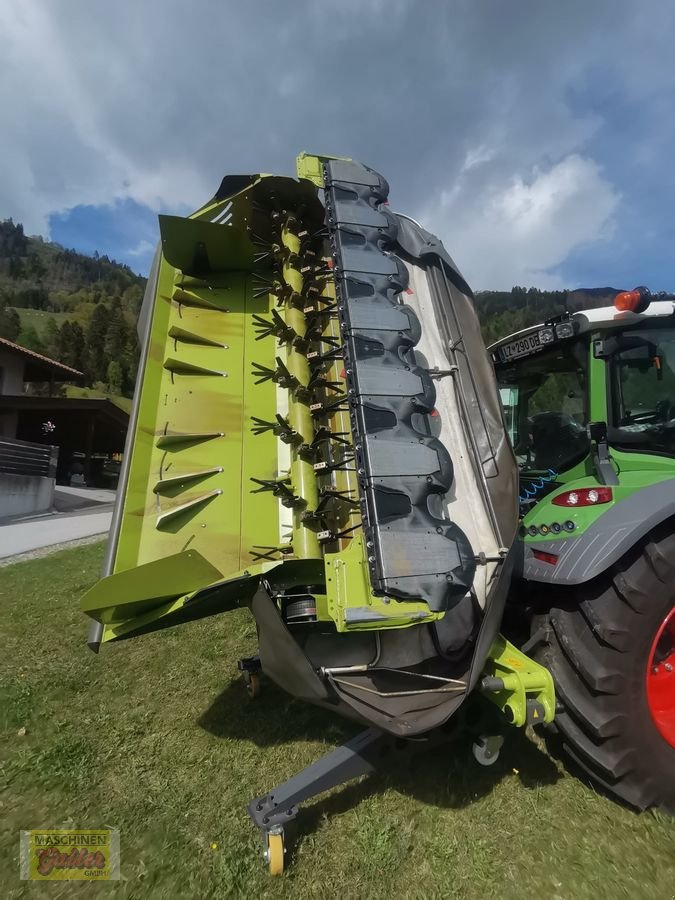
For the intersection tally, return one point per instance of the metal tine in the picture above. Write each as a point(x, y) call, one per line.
point(331, 355)
point(279, 487)
point(347, 531)
point(259, 241)
point(318, 381)
point(316, 318)
point(324, 435)
point(263, 373)
point(263, 425)
point(330, 340)
point(330, 301)
point(340, 466)
point(279, 427)
point(277, 327)
point(332, 405)
point(280, 375)
point(271, 552)
point(288, 295)
point(264, 326)
point(283, 330)
point(323, 271)
point(284, 377)
point(268, 286)
point(328, 496)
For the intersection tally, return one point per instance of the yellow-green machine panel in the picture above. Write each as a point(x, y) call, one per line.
point(291, 450)
point(317, 435)
point(224, 441)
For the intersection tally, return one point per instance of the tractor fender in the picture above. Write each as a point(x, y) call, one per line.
point(585, 557)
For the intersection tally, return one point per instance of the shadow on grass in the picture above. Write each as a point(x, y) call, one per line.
point(444, 775)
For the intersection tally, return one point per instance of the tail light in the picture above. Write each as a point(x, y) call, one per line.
point(584, 497)
point(635, 301)
point(542, 556)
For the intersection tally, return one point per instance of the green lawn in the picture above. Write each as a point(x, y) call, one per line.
point(156, 736)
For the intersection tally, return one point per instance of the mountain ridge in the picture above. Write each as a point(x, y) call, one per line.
point(82, 310)
point(78, 309)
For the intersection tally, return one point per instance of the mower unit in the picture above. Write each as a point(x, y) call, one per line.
point(308, 445)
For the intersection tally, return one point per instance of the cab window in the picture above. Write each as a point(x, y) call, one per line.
point(548, 409)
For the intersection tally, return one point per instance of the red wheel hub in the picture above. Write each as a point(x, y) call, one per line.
point(661, 679)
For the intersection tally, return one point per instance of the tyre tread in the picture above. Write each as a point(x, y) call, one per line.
point(591, 652)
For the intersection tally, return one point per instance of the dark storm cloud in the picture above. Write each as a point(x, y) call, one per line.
point(474, 110)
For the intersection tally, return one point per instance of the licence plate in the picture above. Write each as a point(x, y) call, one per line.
point(529, 343)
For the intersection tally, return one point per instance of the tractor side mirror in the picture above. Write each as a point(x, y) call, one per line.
point(597, 432)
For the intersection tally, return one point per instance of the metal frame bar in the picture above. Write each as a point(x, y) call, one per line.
point(351, 760)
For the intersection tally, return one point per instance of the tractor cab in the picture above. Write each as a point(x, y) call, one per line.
point(544, 394)
point(607, 373)
point(589, 404)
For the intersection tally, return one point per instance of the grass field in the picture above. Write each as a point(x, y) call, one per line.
point(91, 393)
point(38, 318)
point(157, 738)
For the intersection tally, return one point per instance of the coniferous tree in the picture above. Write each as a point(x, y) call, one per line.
point(52, 339)
point(29, 338)
point(10, 323)
point(96, 362)
point(115, 377)
point(117, 334)
point(77, 348)
point(65, 342)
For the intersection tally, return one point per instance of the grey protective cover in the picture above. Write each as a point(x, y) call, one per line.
point(479, 384)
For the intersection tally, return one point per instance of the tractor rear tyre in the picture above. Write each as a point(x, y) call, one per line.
point(610, 646)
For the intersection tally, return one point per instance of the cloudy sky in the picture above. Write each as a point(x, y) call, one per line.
point(536, 138)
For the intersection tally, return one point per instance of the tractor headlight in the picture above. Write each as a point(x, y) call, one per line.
point(564, 330)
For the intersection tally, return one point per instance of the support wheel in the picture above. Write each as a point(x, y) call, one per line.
point(487, 748)
point(275, 852)
point(252, 682)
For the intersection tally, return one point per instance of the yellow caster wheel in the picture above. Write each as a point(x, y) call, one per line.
point(252, 681)
point(275, 852)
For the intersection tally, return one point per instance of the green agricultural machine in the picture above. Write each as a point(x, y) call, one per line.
point(589, 400)
point(317, 435)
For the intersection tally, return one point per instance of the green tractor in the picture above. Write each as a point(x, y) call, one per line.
point(589, 402)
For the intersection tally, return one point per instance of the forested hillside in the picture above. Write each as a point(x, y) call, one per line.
point(503, 312)
point(80, 310)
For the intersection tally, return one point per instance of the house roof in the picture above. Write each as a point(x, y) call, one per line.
point(40, 362)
